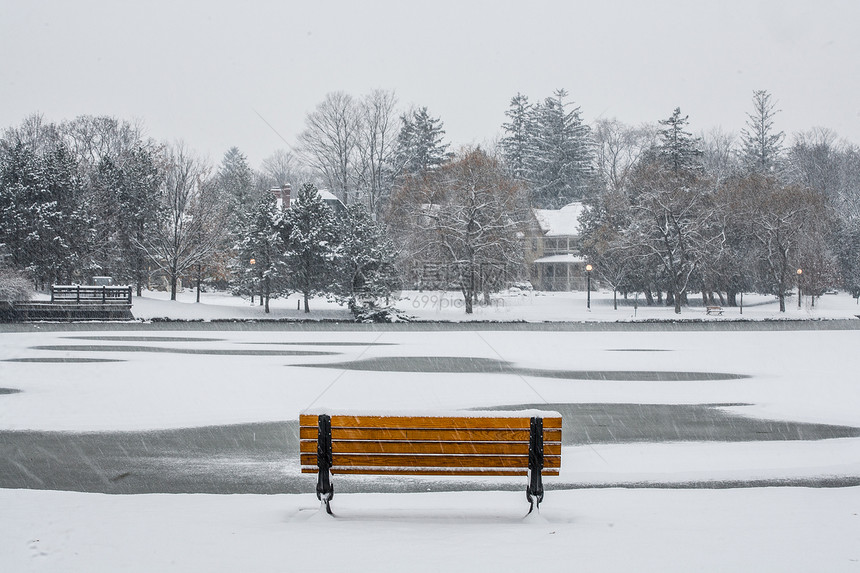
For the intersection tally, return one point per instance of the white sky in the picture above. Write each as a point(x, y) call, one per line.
point(202, 71)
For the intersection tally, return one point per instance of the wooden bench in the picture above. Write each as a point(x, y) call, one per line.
point(718, 310)
point(451, 444)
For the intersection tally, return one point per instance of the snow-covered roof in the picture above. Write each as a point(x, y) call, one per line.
point(327, 195)
point(562, 222)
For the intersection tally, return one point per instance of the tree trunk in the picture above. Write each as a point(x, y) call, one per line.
point(307, 306)
point(173, 279)
point(468, 297)
point(677, 297)
point(615, 299)
point(732, 297)
point(199, 279)
point(267, 294)
point(781, 302)
point(649, 298)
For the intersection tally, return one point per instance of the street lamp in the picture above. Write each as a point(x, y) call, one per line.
point(799, 272)
point(588, 269)
point(252, 261)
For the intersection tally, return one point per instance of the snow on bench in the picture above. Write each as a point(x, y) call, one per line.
point(490, 443)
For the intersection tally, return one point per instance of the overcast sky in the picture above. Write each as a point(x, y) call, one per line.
point(203, 71)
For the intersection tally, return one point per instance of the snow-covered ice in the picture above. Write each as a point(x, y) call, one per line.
point(796, 375)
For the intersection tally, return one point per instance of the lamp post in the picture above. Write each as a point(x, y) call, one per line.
point(252, 261)
point(799, 272)
point(588, 269)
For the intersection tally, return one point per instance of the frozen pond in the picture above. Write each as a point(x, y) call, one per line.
point(261, 458)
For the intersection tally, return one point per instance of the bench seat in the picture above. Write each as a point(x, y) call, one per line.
point(453, 444)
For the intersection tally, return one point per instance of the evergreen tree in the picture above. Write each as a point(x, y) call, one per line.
point(419, 144)
point(548, 146)
point(127, 193)
point(367, 259)
point(235, 182)
point(562, 168)
point(309, 232)
point(45, 226)
point(678, 148)
point(517, 144)
point(19, 178)
point(761, 145)
point(262, 242)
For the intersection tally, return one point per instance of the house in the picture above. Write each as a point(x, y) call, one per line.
point(553, 249)
point(283, 195)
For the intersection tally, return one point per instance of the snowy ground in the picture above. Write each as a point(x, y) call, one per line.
point(797, 375)
point(509, 306)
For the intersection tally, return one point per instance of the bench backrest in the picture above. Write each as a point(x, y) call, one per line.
point(468, 444)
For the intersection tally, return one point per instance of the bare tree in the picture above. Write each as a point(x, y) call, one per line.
point(190, 222)
point(779, 220)
point(471, 214)
point(377, 139)
point(671, 221)
point(328, 143)
point(282, 167)
point(719, 155)
point(618, 148)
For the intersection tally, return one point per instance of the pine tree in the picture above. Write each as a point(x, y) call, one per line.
point(235, 182)
point(19, 178)
point(419, 144)
point(678, 148)
point(517, 144)
point(309, 232)
point(367, 259)
point(563, 153)
point(761, 146)
point(550, 148)
point(261, 242)
point(126, 189)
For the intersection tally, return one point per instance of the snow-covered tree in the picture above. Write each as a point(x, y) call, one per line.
point(678, 148)
point(260, 253)
point(44, 221)
point(779, 219)
point(672, 221)
point(126, 187)
point(189, 227)
point(469, 216)
point(561, 169)
point(762, 145)
point(517, 144)
point(548, 146)
point(14, 284)
point(367, 270)
point(310, 235)
point(420, 147)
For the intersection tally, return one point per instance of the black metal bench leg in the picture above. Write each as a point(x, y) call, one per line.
point(534, 491)
point(325, 489)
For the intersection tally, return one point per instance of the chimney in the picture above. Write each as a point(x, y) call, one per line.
point(282, 195)
point(286, 191)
